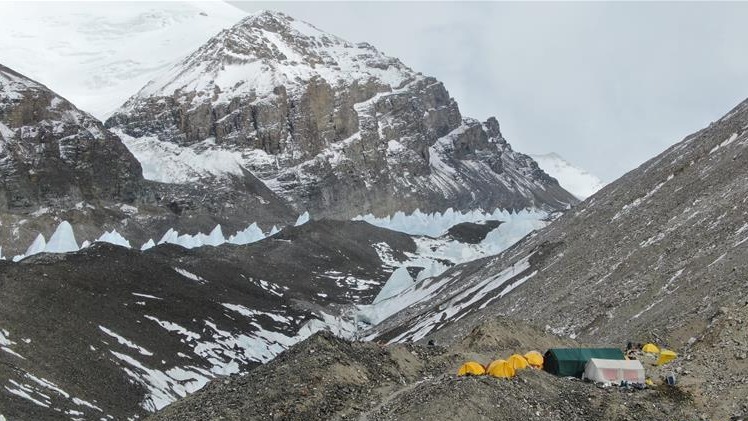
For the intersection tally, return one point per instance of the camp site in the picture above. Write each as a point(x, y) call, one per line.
point(637, 367)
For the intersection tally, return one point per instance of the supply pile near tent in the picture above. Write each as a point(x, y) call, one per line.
point(573, 361)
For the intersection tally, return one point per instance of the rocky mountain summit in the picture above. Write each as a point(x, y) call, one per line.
point(335, 128)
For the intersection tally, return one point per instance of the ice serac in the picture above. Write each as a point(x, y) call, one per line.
point(334, 128)
point(37, 246)
point(63, 240)
point(52, 154)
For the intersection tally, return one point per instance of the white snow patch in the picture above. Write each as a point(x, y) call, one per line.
point(724, 143)
point(152, 297)
point(126, 342)
point(253, 314)
point(189, 275)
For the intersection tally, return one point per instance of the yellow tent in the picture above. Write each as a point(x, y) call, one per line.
point(666, 356)
point(471, 368)
point(535, 359)
point(501, 369)
point(493, 364)
point(518, 362)
point(651, 349)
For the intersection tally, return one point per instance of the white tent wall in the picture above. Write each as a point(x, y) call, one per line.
point(614, 371)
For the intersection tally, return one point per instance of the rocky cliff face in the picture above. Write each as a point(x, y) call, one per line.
point(52, 154)
point(335, 128)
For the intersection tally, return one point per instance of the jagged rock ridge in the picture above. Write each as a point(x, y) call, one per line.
point(335, 128)
point(53, 154)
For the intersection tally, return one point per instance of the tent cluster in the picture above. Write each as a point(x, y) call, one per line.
point(503, 369)
point(602, 365)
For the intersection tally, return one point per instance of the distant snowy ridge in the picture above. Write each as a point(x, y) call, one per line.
point(436, 224)
point(257, 59)
point(577, 181)
point(93, 53)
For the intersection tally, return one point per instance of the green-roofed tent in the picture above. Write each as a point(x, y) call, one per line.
point(572, 361)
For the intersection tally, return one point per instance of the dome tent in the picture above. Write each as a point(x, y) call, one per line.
point(535, 359)
point(501, 369)
point(471, 368)
point(518, 362)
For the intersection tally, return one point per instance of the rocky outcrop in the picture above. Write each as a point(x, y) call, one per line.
point(52, 154)
point(334, 128)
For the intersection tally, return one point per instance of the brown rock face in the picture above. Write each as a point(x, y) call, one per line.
point(54, 154)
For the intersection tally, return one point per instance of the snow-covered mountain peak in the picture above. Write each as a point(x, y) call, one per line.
point(576, 180)
point(50, 109)
point(97, 54)
point(12, 84)
point(269, 49)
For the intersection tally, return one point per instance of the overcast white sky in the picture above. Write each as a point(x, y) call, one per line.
point(606, 85)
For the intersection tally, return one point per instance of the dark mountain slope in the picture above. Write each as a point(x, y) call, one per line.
point(128, 331)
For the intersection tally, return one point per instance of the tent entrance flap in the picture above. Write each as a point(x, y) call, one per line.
point(573, 361)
